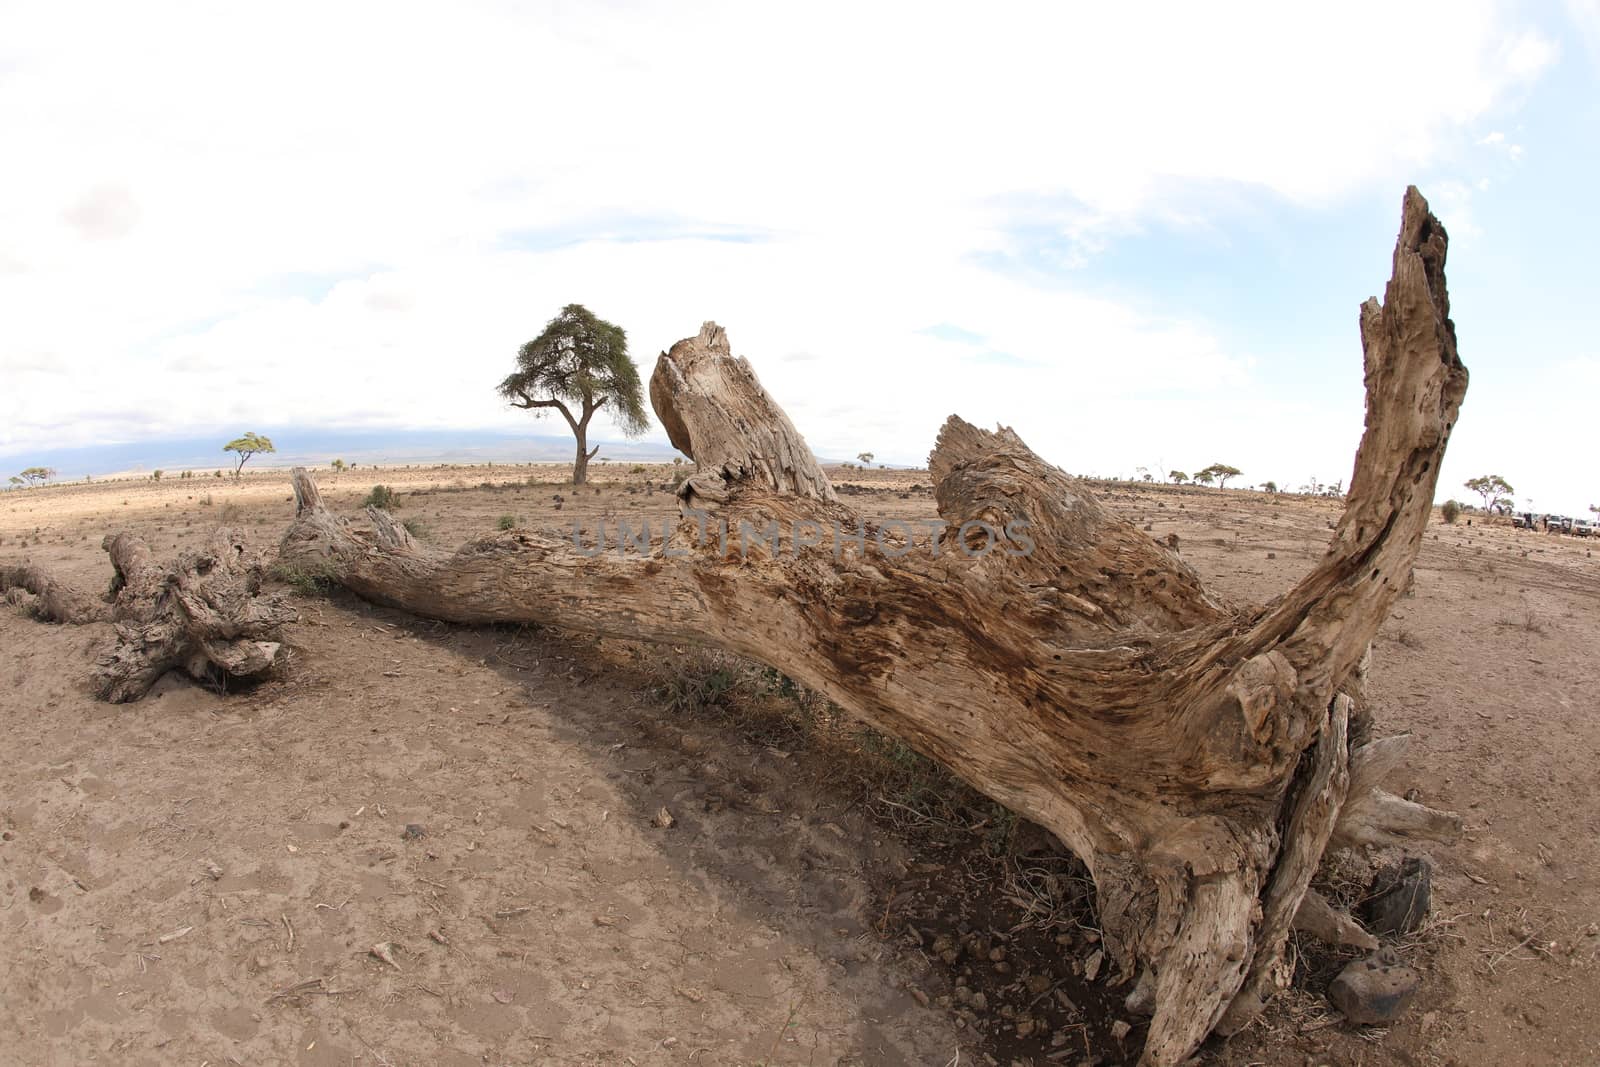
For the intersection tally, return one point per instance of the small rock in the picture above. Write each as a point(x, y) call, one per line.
point(1119, 1029)
point(1037, 984)
point(1375, 991)
point(414, 831)
point(1402, 896)
point(664, 819)
point(213, 870)
point(979, 1002)
point(1091, 966)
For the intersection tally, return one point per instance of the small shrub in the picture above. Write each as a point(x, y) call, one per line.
point(507, 522)
point(1451, 511)
point(1529, 623)
point(383, 498)
point(312, 579)
point(416, 528)
point(155, 475)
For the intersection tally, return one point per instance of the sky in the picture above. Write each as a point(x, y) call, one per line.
point(1139, 235)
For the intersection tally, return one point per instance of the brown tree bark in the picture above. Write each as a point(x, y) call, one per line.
point(1195, 753)
point(580, 466)
point(202, 613)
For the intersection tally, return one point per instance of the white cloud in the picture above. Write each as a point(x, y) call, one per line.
point(355, 212)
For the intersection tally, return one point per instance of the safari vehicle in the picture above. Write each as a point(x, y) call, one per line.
point(1582, 528)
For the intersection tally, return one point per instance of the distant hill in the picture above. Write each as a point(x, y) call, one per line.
point(312, 447)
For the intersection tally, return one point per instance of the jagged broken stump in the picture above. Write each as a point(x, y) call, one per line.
point(1200, 756)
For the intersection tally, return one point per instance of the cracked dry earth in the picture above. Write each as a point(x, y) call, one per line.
point(202, 878)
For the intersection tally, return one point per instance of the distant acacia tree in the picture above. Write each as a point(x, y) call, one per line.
point(15, 480)
point(1269, 487)
point(866, 458)
point(1205, 477)
point(1177, 477)
point(1221, 472)
point(247, 446)
point(1491, 487)
point(579, 362)
point(36, 475)
point(337, 465)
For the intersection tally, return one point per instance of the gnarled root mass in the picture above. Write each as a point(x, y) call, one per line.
point(202, 612)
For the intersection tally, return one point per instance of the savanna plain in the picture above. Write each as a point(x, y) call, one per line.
point(428, 844)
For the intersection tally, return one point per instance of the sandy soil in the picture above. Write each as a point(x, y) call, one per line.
point(201, 878)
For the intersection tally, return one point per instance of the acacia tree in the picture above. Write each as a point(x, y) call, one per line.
point(1269, 486)
point(1177, 477)
point(1221, 472)
point(579, 362)
point(1205, 477)
point(866, 458)
point(1491, 487)
point(247, 446)
point(37, 475)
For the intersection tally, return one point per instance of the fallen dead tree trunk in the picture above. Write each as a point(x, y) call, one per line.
point(202, 612)
point(1196, 754)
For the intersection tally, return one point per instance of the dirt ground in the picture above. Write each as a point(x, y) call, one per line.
point(202, 878)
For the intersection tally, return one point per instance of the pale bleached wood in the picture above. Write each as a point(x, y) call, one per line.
point(1331, 925)
point(56, 601)
point(203, 613)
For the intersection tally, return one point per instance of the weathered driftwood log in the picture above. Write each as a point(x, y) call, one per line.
point(202, 612)
point(49, 598)
point(1194, 753)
